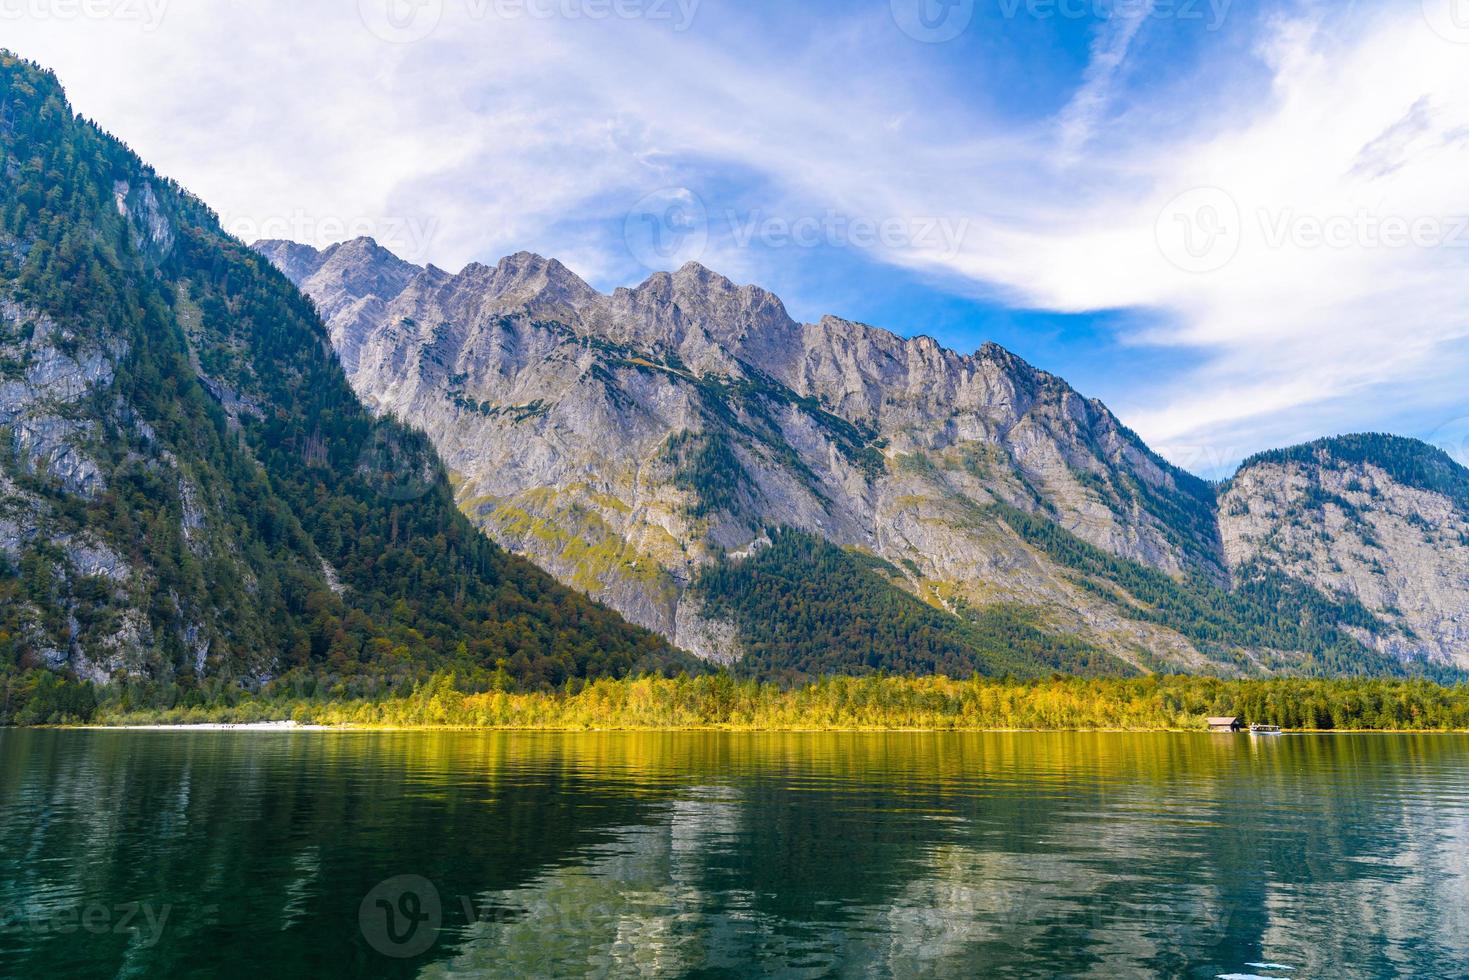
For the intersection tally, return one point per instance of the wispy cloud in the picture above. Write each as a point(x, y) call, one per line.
point(1088, 107)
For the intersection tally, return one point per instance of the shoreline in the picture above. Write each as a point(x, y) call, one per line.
point(720, 703)
point(210, 726)
point(292, 726)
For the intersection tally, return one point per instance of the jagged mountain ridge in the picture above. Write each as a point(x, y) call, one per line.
point(913, 394)
point(627, 441)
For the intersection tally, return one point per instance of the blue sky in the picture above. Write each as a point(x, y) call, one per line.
point(1240, 224)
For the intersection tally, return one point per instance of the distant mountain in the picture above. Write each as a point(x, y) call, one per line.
point(191, 490)
point(1380, 518)
point(647, 446)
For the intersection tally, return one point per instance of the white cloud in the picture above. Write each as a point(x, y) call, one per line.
point(1343, 272)
point(495, 134)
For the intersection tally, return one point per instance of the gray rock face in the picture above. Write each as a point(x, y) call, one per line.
point(46, 375)
point(1353, 528)
point(63, 419)
point(623, 441)
point(49, 375)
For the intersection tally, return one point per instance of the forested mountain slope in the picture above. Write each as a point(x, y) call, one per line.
point(189, 488)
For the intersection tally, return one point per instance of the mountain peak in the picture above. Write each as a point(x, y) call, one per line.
point(693, 275)
point(361, 259)
point(272, 245)
point(525, 260)
point(361, 245)
point(526, 279)
point(838, 428)
point(297, 261)
point(699, 271)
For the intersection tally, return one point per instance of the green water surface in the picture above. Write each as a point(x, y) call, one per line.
point(325, 854)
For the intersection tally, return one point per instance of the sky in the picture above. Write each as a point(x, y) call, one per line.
point(1242, 225)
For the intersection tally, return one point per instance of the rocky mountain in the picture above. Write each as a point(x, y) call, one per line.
point(1379, 518)
point(643, 445)
point(189, 489)
point(193, 489)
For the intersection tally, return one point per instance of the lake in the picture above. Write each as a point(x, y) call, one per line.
point(318, 854)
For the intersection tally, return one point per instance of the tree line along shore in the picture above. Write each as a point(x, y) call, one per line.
point(723, 701)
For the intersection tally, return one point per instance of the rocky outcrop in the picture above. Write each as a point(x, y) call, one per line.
point(47, 376)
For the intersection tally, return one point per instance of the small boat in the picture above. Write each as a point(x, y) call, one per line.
point(1265, 730)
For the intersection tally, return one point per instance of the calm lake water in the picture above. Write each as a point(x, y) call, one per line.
point(250, 854)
